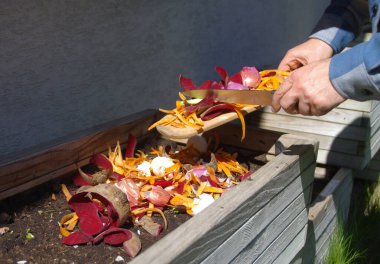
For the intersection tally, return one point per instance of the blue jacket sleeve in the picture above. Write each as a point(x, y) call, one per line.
point(355, 73)
point(341, 22)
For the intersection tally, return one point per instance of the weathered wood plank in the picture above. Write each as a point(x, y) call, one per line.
point(341, 116)
point(368, 174)
point(314, 247)
point(212, 226)
point(366, 106)
point(291, 250)
point(341, 159)
point(348, 146)
point(333, 201)
point(375, 143)
point(292, 123)
point(57, 158)
point(256, 139)
point(282, 241)
point(271, 143)
point(373, 115)
point(337, 208)
point(339, 185)
point(297, 196)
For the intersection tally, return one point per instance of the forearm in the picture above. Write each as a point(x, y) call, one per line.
point(341, 23)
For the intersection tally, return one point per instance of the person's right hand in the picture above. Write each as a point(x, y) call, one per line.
point(310, 51)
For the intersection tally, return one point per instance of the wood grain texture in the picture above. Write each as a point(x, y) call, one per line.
point(260, 243)
point(282, 241)
point(341, 116)
point(289, 253)
point(332, 203)
point(348, 136)
point(64, 155)
point(296, 196)
point(366, 106)
point(342, 159)
point(187, 132)
point(212, 227)
point(292, 123)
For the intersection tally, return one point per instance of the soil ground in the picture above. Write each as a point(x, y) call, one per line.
point(38, 212)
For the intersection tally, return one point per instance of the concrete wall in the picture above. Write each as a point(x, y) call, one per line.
point(70, 65)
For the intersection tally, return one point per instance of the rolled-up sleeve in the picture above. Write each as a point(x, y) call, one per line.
point(341, 23)
point(355, 73)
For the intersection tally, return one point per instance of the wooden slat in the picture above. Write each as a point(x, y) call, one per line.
point(318, 237)
point(333, 200)
point(292, 123)
point(291, 250)
point(366, 106)
point(341, 159)
point(368, 174)
point(295, 194)
point(62, 156)
point(282, 241)
point(260, 243)
point(330, 193)
point(212, 227)
point(256, 139)
point(373, 115)
point(341, 116)
point(348, 146)
point(375, 143)
point(374, 126)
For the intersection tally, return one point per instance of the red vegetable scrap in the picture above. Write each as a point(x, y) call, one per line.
point(193, 114)
point(104, 171)
point(97, 208)
point(138, 185)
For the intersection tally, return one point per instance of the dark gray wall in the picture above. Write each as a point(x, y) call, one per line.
point(70, 65)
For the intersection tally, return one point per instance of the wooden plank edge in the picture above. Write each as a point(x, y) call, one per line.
point(295, 193)
point(282, 241)
point(269, 180)
point(295, 246)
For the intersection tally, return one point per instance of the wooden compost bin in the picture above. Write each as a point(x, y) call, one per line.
point(348, 136)
point(371, 171)
point(329, 207)
point(256, 221)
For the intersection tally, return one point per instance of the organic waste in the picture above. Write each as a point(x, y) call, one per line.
point(193, 113)
point(130, 186)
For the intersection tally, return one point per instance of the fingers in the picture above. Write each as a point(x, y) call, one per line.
point(279, 94)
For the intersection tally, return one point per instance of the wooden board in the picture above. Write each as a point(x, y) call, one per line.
point(293, 248)
point(366, 106)
point(292, 123)
point(267, 221)
point(52, 160)
point(212, 227)
point(349, 135)
point(187, 132)
point(341, 116)
point(282, 241)
point(331, 203)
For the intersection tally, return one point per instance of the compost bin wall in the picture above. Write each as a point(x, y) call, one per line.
point(70, 65)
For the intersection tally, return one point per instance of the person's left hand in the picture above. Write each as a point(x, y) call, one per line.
point(307, 91)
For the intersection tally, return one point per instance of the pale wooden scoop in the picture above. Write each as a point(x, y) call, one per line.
point(169, 131)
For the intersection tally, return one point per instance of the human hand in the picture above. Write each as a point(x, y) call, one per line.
point(310, 51)
point(307, 91)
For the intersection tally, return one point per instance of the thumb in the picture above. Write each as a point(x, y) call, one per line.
point(281, 91)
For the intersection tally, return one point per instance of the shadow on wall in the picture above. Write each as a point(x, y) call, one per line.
point(71, 65)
